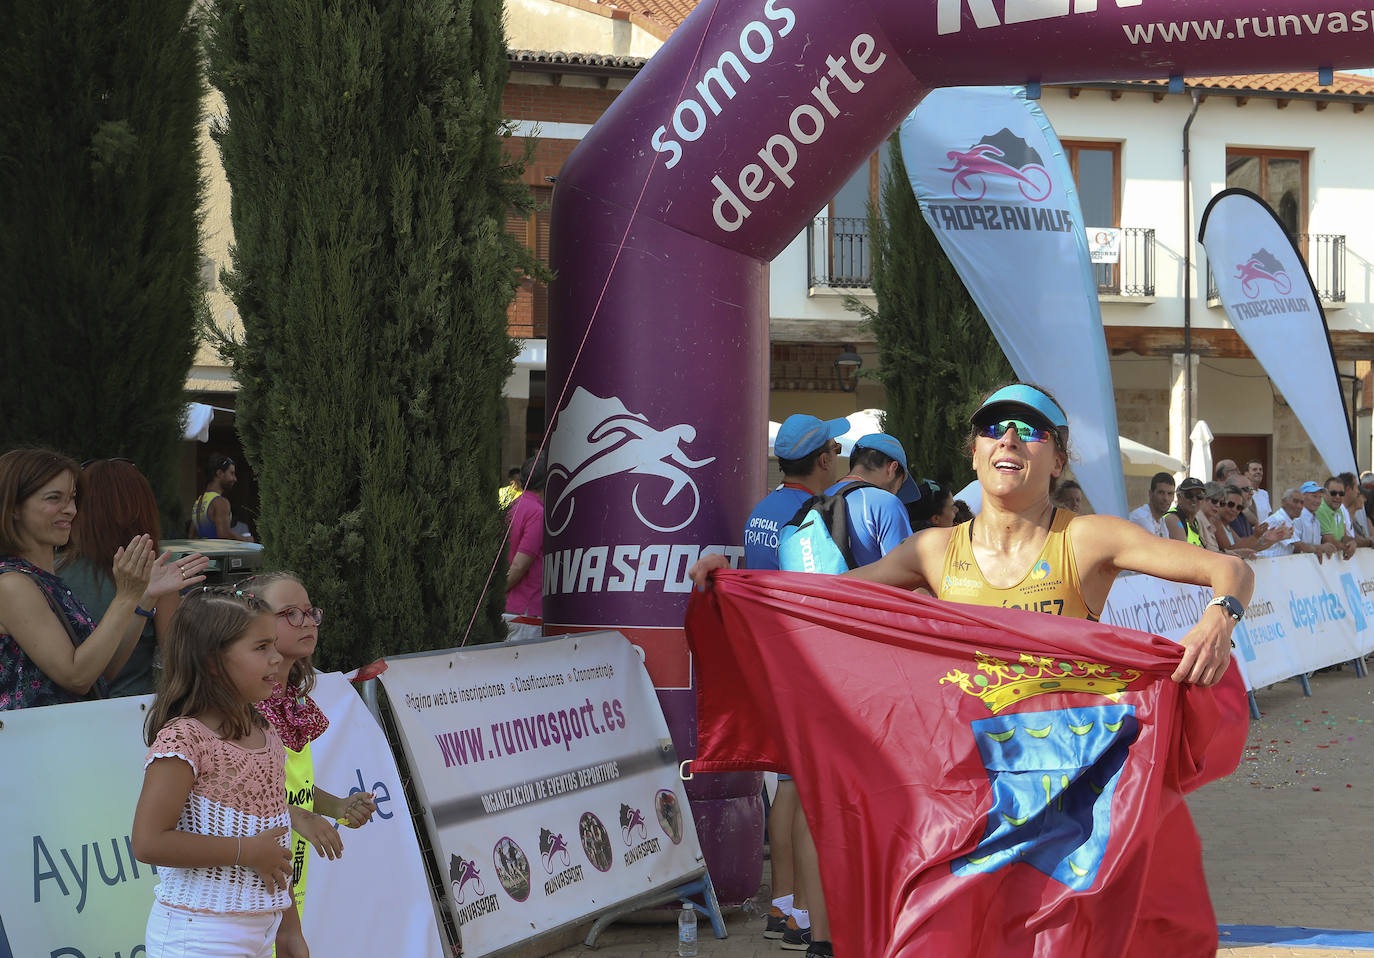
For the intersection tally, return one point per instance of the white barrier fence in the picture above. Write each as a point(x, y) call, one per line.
point(71, 888)
point(1304, 615)
point(548, 780)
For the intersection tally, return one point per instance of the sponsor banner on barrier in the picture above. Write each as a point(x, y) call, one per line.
point(549, 778)
point(381, 860)
point(1303, 616)
point(72, 889)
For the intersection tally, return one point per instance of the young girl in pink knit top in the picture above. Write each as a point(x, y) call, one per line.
point(212, 814)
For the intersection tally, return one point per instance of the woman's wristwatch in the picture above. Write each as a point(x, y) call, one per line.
point(1230, 604)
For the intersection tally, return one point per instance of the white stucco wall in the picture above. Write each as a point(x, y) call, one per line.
point(546, 25)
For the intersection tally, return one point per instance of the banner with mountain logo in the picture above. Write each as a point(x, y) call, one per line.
point(994, 185)
point(1269, 298)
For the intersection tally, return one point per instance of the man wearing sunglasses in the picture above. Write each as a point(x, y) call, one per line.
point(1331, 520)
point(1181, 521)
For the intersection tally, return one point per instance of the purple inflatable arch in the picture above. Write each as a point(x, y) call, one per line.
point(665, 219)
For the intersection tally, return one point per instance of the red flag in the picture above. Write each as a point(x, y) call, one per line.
point(979, 781)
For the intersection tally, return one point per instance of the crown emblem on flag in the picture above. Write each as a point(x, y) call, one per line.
point(1001, 684)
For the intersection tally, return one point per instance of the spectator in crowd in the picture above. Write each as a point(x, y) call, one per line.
point(1308, 528)
point(1150, 516)
point(525, 555)
point(51, 650)
point(116, 504)
point(1303, 536)
point(1241, 524)
point(1224, 470)
point(1254, 471)
point(962, 512)
point(1181, 520)
point(1230, 504)
point(511, 490)
point(1352, 509)
point(211, 517)
point(1331, 517)
point(878, 521)
point(935, 508)
point(1213, 493)
point(809, 458)
point(1068, 495)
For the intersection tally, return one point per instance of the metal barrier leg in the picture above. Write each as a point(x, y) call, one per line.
point(709, 906)
point(1360, 670)
point(1254, 706)
point(1306, 685)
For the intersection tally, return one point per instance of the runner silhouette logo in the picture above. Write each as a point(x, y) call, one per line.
point(597, 439)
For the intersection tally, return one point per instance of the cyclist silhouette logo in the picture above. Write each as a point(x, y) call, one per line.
point(632, 820)
point(461, 872)
point(552, 846)
point(597, 439)
point(1003, 155)
point(1262, 266)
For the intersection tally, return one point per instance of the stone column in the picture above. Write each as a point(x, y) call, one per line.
point(1179, 426)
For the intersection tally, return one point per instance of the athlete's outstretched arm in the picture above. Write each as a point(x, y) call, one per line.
point(912, 565)
point(1105, 545)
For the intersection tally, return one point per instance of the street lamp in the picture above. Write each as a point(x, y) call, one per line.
point(847, 366)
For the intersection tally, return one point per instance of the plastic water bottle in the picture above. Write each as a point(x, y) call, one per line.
point(687, 931)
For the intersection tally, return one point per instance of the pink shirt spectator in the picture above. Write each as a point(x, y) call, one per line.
point(527, 538)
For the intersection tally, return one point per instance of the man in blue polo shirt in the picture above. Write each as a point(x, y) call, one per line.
point(878, 517)
point(809, 458)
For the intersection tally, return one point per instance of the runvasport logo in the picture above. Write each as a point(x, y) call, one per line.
point(596, 439)
point(950, 13)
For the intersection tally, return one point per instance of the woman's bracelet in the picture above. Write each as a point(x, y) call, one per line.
point(239, 850)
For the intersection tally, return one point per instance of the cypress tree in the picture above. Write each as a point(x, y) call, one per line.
point(100, 190)
point(937, 357)
point(372, 272)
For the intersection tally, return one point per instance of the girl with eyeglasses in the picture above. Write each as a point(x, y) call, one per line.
point(299, 721)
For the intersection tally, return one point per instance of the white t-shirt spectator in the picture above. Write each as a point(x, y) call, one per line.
point(1144, 518)
point(1262, 505)
point(1284, 547)
point(1308, 529)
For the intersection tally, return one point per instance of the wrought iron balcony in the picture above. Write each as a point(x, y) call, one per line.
point(1325, 261)
point(838, 252)
point(1134, 272)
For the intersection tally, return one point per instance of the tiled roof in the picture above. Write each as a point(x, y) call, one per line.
point(577, 59)
point(1302, 84)
point(666, 14)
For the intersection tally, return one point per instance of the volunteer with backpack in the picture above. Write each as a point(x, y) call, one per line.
point(878, 518)
point(809, 458)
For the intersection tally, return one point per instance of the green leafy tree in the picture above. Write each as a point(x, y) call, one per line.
point(371, 271)
point(100, 189)
point(937, 357)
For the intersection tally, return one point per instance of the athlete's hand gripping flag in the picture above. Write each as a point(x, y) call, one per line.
point(980, 782)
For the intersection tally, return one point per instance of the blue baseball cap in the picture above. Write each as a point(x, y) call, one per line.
point(890, 447)
point(1309, 486)
point(1020, 398)
point(801, 435)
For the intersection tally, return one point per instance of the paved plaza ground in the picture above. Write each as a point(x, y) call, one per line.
point(1289, 838)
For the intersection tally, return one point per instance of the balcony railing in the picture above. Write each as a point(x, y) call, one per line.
point(1134, 273)
point(838, 252)
point(1325, 261)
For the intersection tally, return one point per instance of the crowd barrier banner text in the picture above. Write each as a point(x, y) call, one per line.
point(549, 781)
point(1303, 616)
point(71, 888)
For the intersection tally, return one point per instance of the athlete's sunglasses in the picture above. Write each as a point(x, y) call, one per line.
point(1024, 430)
point(297, 616)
